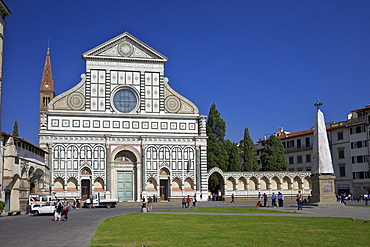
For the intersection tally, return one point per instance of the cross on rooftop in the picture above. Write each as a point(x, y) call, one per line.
point(318, 104)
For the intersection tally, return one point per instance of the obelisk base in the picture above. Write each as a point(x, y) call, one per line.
point(323, 191)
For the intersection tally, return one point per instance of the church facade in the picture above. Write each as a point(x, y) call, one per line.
point(122, 130)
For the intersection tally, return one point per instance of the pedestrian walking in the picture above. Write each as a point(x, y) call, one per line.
point(194, 200)
point(366, 198)
point(264, 199)
point(342, 199)
point(232, 198)
point(299, 200)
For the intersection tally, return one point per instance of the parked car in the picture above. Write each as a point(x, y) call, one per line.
point(99, 200)
point(46, 208)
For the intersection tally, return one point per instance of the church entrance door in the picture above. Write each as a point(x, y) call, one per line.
point(124, 186)
point(85, 189)
point(163, 189)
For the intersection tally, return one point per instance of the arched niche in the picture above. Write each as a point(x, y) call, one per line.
point(72, 184)
point(230, 184)
point(253, 183)
point(286, 184)
point(176, 184)
point(125, 156)
point(189, 184)
point(99, 185)
point(59, 184)
point(297, 183)
point(264, 183)
point(242, 184)
point(151, 184)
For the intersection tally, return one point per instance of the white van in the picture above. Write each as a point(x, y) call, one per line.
point(41, 204)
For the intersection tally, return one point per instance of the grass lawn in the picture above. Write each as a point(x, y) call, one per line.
point(245, 210)
point(145, 229)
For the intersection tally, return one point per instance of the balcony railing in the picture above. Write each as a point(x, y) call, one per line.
point(357, 120)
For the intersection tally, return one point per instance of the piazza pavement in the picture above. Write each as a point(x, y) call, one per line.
point(26, 230)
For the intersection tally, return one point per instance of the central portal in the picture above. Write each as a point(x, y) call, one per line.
point(124, 186)
point(126, 173)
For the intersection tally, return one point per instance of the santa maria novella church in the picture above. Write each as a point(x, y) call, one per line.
point(122, 130)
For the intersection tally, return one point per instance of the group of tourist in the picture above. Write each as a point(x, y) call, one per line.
point(343, 197)
point(364, 197)
point(61, 209)
point(185, 202)
point(276, 200)
point(148, 202)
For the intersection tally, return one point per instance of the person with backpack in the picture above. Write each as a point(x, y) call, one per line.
point(58, 210)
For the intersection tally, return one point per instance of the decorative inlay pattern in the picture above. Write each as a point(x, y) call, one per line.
point(172, 104)
point(125, 49)
point(76, 101)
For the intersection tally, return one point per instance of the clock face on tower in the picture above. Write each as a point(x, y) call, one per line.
point(125, 100)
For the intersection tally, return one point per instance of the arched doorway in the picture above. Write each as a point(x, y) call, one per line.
point(164, 176)
point(216, 184)
point(126, 175)
point(85, 183)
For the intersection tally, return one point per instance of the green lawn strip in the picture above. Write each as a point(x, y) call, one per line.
point(215, 230)
point(245, 210)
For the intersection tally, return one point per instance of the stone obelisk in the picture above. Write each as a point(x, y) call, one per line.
point(322, 171)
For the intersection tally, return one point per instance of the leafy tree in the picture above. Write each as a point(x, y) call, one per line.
point(248, 153)
point(273, 158)
point(216, 128)
point(15, 129)
point(233, 160)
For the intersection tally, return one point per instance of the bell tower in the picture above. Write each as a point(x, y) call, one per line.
point(47, 85)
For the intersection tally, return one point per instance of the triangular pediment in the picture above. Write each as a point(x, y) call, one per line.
point(124, 47)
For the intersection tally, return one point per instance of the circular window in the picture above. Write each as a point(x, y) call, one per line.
point(125, 100)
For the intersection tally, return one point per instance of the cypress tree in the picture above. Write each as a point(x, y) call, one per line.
point(15, 129)
point(216, 128)
point(233, 161)
point(273, 158)
point(248, 153)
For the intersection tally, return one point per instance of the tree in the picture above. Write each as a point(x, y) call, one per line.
point(248, 153)
point(233, 160)
point(15, 129)
point(273, 158)
point(216, 128)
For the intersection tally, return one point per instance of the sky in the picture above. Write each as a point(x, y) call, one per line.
point(264, 63)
